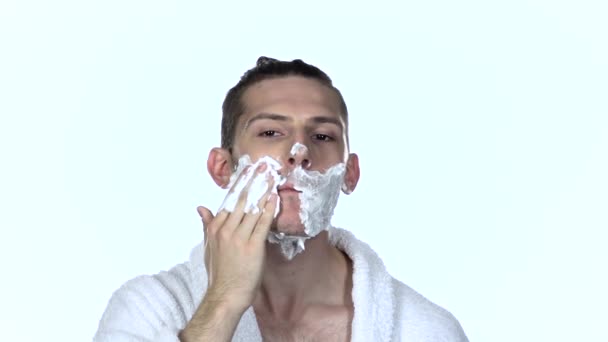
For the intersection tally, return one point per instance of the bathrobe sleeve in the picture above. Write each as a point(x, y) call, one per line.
point(418, 319)
point(148, 309)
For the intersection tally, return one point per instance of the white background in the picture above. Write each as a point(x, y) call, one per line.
point(481, 126)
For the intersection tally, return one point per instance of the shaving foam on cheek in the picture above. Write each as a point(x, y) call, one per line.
point(319, 196)
point(259, 184)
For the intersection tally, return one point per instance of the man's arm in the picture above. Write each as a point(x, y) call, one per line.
point(212, 321)
point(235, 246)
point(234, 259)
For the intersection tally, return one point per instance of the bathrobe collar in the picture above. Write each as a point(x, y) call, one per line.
point(372, 292)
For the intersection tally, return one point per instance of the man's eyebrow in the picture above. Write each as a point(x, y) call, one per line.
point(267, 116)
point(327, 119)
point(321, 119)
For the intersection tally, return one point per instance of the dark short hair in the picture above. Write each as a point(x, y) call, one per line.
point(267, 68)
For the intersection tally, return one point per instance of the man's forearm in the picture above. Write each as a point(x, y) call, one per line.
point(212, 321)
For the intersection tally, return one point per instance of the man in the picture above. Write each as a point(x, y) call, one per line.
point(272, 268)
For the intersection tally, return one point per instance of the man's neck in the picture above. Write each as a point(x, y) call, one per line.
point(320, 275)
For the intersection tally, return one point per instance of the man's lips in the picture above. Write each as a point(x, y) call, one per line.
point(287, 187)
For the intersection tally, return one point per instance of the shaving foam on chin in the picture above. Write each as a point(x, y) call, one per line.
point(318, 199)
point(259, 184)
point(291, 245)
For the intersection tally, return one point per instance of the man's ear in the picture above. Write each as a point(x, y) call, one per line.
point(351, 178)
point(219, 165)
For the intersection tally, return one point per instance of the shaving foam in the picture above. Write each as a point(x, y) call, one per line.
point(318, 196)
point(298, 148)
point(259, 183)
point(291, 245)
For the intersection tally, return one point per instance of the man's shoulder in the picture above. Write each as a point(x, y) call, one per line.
point(177, 284)
point(148, 302)
point(150, 306)
point(414, 317)
point(422, 320)
point(172, 281)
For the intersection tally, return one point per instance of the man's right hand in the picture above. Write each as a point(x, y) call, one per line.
point(234, 257)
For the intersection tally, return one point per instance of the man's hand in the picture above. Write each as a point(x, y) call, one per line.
point(235, 248)
point(234, 258)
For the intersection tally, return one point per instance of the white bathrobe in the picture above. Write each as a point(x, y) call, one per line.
point(155, 308)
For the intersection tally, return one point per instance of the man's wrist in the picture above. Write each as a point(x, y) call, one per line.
point(226, 304)
point(222, 309)
point(215, 319)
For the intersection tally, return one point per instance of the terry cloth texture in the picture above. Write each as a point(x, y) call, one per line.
point(155, 308)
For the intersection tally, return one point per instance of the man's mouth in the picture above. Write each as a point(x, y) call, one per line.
point(287, 187)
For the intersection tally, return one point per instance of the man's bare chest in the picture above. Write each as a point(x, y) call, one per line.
point(334, 327)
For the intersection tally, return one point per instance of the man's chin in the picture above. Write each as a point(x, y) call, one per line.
point(288, 227)
point(290, 231)
point(290, 239)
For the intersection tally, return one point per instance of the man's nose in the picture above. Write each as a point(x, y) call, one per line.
point(298, 156)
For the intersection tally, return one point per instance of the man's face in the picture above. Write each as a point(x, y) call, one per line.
point(284, 111)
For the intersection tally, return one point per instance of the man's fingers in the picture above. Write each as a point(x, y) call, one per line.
point(210, 221)
point(235, 217)
point(239, 212)
point(235, 189)
point(205, 215)
point(239, 178)
point(263, 225)
point(250, 220)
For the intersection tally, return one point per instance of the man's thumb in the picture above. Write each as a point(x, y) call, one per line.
point(205, 215)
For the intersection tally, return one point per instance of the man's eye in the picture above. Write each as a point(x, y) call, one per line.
point(269, 133)
point(323, 137)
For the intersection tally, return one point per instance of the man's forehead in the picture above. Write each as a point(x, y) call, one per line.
point(291, 91)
